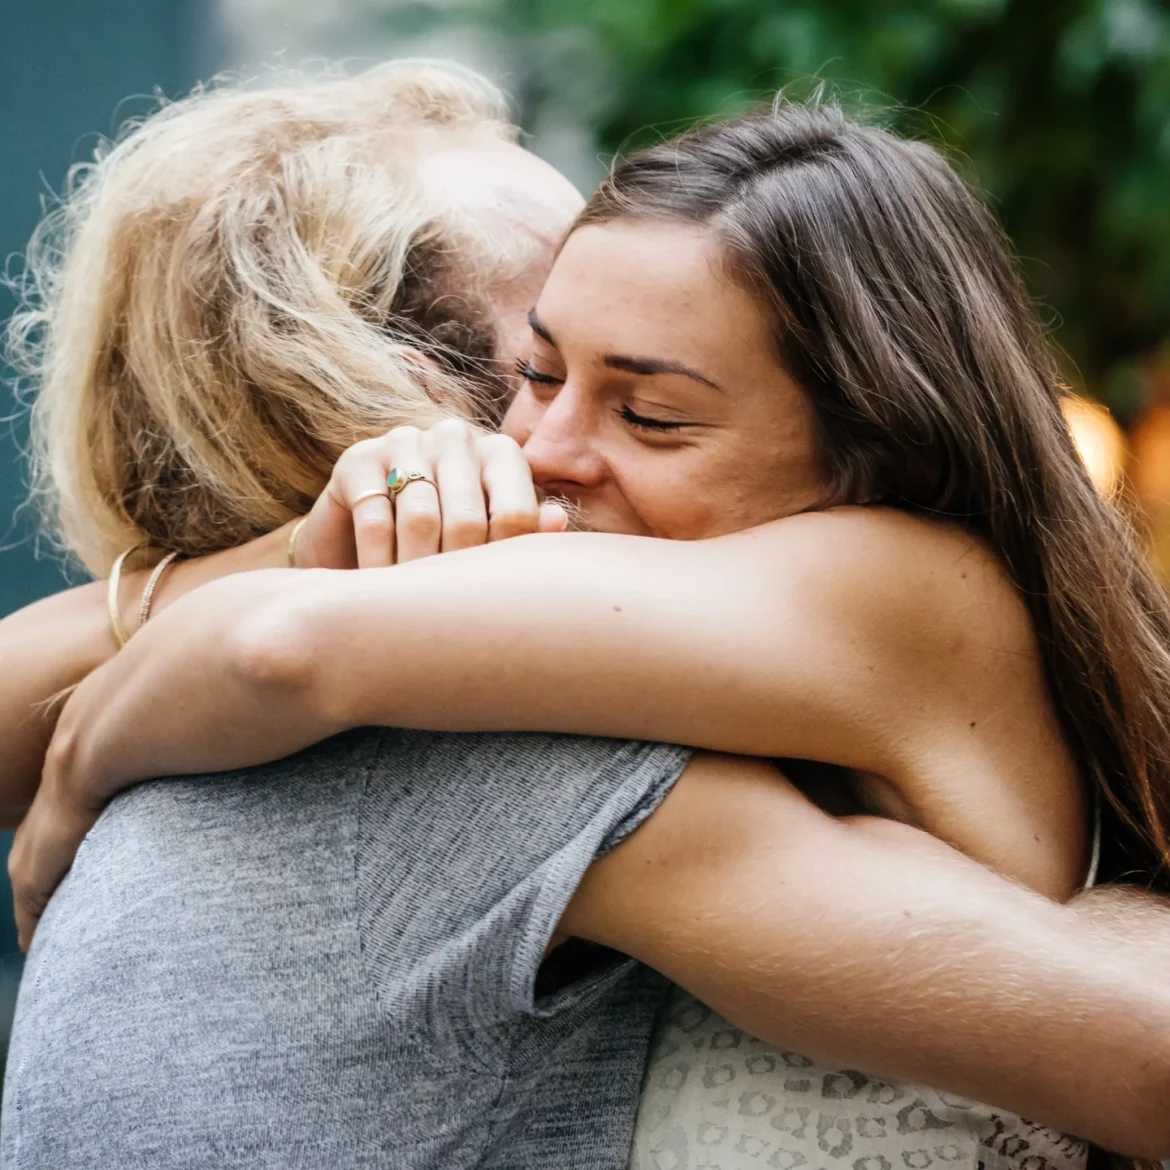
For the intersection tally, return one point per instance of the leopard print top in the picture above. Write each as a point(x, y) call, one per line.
point(717, 1099)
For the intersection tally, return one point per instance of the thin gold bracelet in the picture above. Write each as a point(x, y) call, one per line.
point(117, 629)
point(292, 541)
point(152, 585)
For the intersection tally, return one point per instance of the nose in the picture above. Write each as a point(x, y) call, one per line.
point(562, 446)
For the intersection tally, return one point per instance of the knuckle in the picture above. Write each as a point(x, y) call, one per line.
point(406, 431)
point(370, 523)
point(465, 529)
point(360, 451)
point(420, 523)
point(453, 430)
point(499, 445)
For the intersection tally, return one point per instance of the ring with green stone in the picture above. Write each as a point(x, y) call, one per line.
point(398, 480)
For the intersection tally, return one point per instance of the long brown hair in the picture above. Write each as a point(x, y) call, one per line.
point(901, 312)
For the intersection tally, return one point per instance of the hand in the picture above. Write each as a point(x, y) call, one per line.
point(482, 491)
point(115, 728)
point(44, 848)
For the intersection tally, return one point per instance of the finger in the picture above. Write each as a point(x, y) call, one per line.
point(459, 475)
point(26, 917)
point(327, 540)
point(359, 485)
point(373, 529)
point(507, 480)
point(27, 920)
point(26, 906)
point(553, 517)
point(418, 522)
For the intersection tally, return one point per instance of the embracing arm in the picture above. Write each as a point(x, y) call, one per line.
point(48, 648)
point(776, 914)
point(760, 643)
point(866, 944)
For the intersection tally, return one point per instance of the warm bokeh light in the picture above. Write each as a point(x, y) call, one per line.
point(1150, 466)
point(1149, 473)
point(1099, 440)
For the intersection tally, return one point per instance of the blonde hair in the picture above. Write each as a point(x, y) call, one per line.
point(236, 290)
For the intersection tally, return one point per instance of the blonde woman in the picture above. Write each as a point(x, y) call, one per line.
point(234, 294)
point(713, 838)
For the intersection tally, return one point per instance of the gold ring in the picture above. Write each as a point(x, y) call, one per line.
point(398, 481)
point(368, 495)
point(293, 533)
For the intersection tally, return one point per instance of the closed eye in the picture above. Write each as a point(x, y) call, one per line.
point(525, 370)
point(645, 423)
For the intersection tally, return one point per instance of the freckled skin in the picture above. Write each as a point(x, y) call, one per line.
point(743, 454)
point(626, 305)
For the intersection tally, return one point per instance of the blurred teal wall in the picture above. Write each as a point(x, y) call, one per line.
point(65, 65)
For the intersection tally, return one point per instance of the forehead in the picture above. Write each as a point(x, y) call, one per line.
point(646, 288)
point(488, 176)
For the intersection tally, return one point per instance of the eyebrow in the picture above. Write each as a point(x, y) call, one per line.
point(537, 326)
point(651, 366)
point(645, 367)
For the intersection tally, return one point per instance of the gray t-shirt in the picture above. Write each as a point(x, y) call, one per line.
point(332, 963)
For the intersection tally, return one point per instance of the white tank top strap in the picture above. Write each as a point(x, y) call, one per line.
point(1095, 855)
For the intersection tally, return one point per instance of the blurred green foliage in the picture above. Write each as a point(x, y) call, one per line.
point(1060, 110)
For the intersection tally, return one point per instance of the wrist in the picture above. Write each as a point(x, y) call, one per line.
point(264, 552)
point(299, 553)
point(66, 781)
point(130, 597)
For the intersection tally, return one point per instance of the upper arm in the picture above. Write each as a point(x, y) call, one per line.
point(733, 645)
point(865, 640)
point(869, 945)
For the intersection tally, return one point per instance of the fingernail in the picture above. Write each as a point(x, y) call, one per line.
point(553, 518)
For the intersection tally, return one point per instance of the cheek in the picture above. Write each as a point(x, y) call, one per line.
point(699, 494)
point(676, 498)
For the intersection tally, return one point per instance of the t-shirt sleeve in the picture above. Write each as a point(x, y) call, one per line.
point(470, 849)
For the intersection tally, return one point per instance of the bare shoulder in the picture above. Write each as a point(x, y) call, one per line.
point(949, 673)
point(927, 585)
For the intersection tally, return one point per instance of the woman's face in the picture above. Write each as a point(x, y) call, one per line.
point(653, 398)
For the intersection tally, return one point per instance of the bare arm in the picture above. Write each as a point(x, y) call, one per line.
point(269, 662)
point(46, 648)
point(50, 646)
point(868, 944)
point(754, 644)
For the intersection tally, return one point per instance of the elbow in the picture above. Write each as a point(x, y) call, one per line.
point(285, 647)
point(270, 649)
